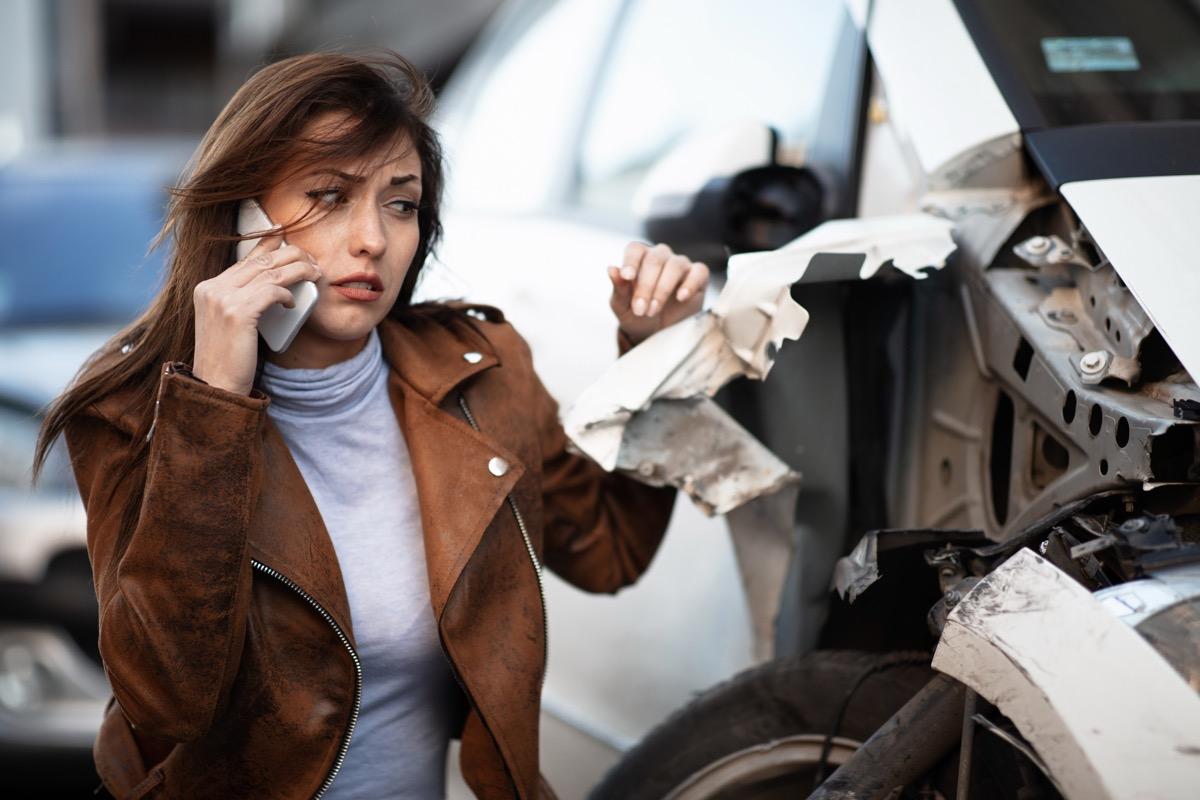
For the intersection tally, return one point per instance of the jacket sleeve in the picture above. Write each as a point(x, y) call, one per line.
point(601, 529)
point(174, 590)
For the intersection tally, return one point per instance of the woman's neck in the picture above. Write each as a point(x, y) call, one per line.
point(311, 350)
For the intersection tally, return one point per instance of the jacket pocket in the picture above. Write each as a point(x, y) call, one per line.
point(148, 787)
point(119, 759)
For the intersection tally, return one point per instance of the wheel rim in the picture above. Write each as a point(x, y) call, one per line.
point(761, 763)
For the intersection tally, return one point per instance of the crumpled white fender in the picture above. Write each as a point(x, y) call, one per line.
point(1106, 713)
point(739, 335)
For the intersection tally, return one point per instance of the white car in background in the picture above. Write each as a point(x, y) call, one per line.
point(550, 124)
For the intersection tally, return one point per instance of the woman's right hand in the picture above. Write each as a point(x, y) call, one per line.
point(229, 306)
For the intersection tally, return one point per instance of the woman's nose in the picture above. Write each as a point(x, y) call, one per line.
point(366, 235)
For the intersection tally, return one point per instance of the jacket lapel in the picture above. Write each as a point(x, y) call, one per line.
point(288, 534)
point(458, 494)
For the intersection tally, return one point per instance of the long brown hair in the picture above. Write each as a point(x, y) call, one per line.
point(253, 140)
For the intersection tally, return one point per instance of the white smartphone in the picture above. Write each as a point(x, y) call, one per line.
point(279, 324)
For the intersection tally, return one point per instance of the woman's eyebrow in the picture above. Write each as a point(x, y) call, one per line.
point(337, 173)
point(397, 180)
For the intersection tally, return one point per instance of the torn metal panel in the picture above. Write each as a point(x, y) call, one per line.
point(985, 218)
point(854, 573)
point(1108, 715)
point(740, 335)
point(762, 532)
point(912, 242)
point(690, 358)
point(695, 445)
point(755, 308)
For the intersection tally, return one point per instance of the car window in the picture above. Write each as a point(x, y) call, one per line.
point(674, 69)
point(508, 120)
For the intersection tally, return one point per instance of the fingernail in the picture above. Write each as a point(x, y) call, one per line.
point(639, 307)
point(682, 295)
point(653, 307)
point(627, 273)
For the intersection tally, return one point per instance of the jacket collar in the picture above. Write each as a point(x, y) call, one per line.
point(434, 354)
point(458, 496)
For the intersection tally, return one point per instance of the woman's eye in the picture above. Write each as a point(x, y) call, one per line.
point(330, 196)
point(405, 207)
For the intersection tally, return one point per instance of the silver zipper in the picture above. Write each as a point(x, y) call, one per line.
point(168, 369)
point(533, 559)
point(154, 421)
point(345, 640)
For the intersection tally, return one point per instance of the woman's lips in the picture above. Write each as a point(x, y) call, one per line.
point(361, 286)
point(357, 293)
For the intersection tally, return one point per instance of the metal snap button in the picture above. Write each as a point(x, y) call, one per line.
point(497, 466)
point(472, 357)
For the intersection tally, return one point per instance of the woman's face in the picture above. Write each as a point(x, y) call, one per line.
point(364, 238)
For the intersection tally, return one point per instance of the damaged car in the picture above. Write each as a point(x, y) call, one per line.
point(947, 400)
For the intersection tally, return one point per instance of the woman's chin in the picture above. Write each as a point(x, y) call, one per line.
point(346, 325)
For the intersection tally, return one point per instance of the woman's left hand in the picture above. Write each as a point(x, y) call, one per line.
point(655, 287)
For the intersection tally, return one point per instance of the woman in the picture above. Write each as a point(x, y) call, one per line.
point(324, 563)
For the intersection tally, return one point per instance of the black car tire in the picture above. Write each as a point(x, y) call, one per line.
point(760, 734)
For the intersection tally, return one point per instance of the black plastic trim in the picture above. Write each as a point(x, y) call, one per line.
point(1013, 88)
point(1117, 150)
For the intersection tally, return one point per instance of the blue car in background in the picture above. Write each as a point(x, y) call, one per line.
point(76, 221)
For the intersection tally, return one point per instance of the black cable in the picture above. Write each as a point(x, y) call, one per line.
point(884, 663)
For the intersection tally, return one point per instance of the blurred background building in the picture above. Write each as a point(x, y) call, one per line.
point(145, 67)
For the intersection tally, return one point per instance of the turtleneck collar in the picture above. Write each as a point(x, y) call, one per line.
point(329, 391)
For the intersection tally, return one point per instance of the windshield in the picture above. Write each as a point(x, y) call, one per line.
point(1071, 62)
point(761, 61)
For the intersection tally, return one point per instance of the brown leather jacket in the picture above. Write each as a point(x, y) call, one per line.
point(224, 626)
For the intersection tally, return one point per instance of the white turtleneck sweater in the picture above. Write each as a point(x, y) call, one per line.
point(342, 431)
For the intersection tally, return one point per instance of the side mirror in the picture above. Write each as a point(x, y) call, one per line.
point(723, 192)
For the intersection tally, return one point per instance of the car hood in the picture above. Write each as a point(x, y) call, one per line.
point(1147, 228)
